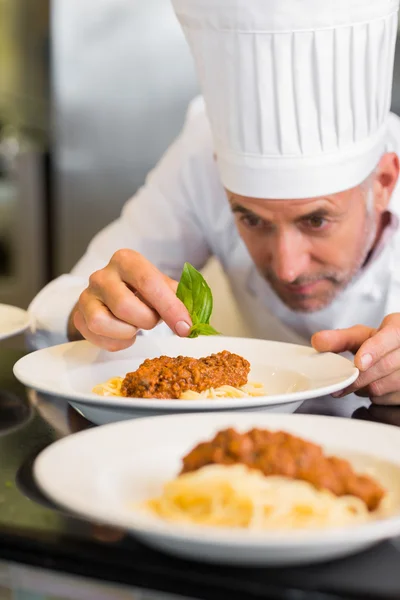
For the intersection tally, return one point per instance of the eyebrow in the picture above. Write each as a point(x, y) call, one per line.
point(317, 213)
point(238, 208)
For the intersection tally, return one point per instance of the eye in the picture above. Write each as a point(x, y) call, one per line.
point(316, 222)
point(252, 221)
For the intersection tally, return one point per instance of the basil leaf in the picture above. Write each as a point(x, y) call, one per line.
point(202, 329)
point(195, 319)
point(196, 295)
point(184, 291)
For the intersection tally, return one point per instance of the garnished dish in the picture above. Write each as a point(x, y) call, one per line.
point(267, 480)
point(221, 375)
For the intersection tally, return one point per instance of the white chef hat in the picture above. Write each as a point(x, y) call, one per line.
point(297, 91)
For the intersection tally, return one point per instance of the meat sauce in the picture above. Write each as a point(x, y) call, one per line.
point(279, 453)
point(167, 377)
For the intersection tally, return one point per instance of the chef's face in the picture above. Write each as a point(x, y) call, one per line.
point(310, 250)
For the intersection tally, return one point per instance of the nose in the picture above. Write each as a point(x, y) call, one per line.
point(290, 256)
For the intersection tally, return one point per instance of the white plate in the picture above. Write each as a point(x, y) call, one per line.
point(106, 471)
point(290, 374)
point(13, 320)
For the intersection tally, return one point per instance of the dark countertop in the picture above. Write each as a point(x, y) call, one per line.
point(36, 533)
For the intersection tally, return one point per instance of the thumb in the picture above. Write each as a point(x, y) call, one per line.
point(341, 340)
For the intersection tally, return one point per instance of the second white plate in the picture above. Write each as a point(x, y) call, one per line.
point(107, 471)
point(290, 374)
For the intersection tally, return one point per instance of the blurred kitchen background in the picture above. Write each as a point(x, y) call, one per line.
point(91, 94)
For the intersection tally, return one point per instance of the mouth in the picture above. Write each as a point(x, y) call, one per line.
point(305, 289)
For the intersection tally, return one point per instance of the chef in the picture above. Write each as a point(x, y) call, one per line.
point(286, 170)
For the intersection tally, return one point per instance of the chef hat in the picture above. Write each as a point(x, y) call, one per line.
point(297, 91)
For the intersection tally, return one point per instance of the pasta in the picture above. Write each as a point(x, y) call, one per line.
point(238, 497)
point(227, 391)
point(112, 387)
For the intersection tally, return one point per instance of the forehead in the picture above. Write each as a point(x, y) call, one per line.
point(292, 207)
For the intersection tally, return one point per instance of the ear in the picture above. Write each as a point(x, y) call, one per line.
point(386, 177)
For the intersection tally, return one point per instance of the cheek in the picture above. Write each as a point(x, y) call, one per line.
point(257, 246)
point(329, 252)
point(339, 250)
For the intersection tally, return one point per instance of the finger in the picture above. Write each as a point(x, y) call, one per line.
point(157, 289)
point(363, 393)
point(378, 387)
point(384, 386)
point(109, 344)
point(100, 321)
point(387, 400)
point(127, 307)
point(341, 340)
point(381, 343)
point(386, 366)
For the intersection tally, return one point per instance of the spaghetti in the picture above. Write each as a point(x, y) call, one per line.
point(238, 497)
point(113, 386)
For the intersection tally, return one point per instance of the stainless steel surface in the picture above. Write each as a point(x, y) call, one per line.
point(22, 269)
point(122, 80)
point(24, 109)
point(24, 38)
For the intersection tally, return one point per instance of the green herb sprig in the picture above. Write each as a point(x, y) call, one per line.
point(196, 295)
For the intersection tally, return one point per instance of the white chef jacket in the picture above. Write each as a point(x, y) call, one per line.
point(182, 214)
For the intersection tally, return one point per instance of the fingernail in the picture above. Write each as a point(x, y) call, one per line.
point(366, 361)
point(337, 394)
point(182, 328)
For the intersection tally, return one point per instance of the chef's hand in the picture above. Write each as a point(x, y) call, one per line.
point(127, 295)
point(377, 356)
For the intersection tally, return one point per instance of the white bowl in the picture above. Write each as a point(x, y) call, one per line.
point(108, 470)
point(290, 373)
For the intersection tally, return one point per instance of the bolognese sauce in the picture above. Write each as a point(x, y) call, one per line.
point(166, 377)
point(280, 453)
